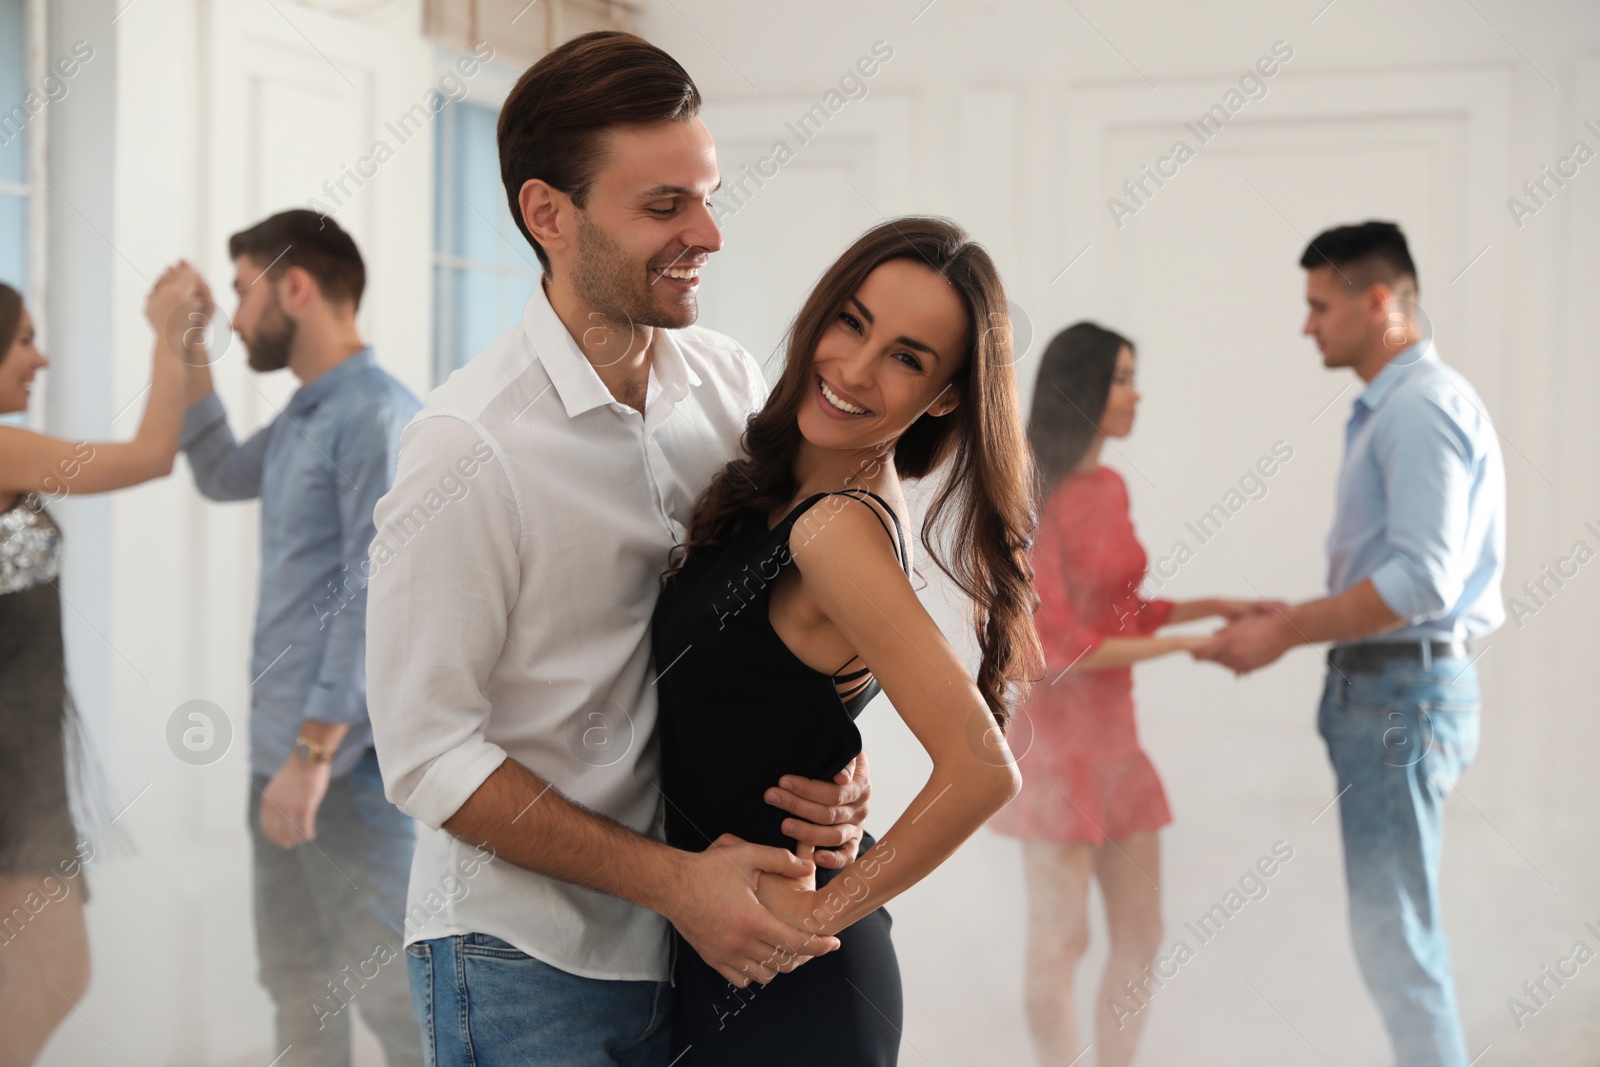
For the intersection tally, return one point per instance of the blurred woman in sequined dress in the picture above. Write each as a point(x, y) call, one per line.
point(44, 950)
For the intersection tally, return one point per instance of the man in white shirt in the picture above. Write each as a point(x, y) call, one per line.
point(516, 566)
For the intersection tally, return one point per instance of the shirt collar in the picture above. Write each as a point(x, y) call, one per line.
point(671, 368)
point(574, 377)
point(1389, 378)
point(307, 397)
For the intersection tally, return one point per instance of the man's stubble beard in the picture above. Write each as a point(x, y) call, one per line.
point(608, 280)
point(274, 339)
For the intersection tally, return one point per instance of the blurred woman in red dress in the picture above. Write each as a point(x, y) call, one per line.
point(1091, 802)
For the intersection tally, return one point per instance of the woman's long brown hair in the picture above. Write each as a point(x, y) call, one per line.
point(10, 317)
point(1069, 398)
point(984, 507)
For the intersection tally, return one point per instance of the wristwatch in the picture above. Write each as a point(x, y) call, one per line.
point(310, 752)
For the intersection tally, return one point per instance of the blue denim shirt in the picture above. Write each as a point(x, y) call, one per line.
point(318, 468)
point(1421, 507)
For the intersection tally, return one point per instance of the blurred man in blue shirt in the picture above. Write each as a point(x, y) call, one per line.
point(1415, 558)
point(332, 855)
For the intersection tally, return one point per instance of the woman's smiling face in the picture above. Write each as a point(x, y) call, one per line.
point(19, 364)
point(888, 356)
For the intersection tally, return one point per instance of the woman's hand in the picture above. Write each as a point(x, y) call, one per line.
point(794, 900)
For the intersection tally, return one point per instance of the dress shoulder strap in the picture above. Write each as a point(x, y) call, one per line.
point(898, 533)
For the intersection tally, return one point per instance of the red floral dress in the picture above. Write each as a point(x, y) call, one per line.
point(1084, 776)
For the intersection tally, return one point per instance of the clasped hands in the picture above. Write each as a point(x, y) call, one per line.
point(745, 907)
point(1257, 633)
point(179, 307)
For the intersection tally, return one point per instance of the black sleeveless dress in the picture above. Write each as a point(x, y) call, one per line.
point(738, 711)
point(38, 728)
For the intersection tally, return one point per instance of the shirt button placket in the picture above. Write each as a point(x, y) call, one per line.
point(660, 474)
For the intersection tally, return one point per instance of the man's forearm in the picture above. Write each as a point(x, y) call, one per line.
point(1355, 613)
point(528, 822)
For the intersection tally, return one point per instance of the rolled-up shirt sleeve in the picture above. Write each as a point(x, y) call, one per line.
point(364, 456)
point(1426, 461)
point(446, 572)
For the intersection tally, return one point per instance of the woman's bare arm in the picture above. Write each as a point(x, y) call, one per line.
point(1126, 651)
point(1216, 607)
point(849, 570)
point(56, 467)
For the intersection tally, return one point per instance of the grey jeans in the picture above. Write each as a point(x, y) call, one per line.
point(328, 925)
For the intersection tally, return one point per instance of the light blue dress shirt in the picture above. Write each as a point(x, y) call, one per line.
point(318, 469)
point(1421, 507)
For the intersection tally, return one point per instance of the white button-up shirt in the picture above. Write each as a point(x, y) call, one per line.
point(516, 566)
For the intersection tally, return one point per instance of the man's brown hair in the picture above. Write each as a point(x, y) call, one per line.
point(312, 242)
point(552, 123)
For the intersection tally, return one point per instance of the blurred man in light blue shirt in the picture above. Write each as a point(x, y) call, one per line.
point(1415, 558)
point(331, 854)
point(1421, 502)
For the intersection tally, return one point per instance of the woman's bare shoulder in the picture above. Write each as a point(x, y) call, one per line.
point(842, 528)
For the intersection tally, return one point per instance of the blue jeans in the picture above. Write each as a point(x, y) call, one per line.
point(483, 1003)
point(328, 924)
point(1399, 738)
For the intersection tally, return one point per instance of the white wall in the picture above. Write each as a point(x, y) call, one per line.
point(1019, 120)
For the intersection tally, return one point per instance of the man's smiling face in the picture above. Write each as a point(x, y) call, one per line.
point(646, 229)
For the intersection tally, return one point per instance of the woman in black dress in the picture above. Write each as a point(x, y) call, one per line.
point(44, 947)
point(792, 605)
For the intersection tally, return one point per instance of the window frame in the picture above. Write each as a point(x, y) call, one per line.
point(488, 89)
point(31, 191)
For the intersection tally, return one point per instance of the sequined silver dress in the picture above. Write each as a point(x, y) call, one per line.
point(36, 718)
